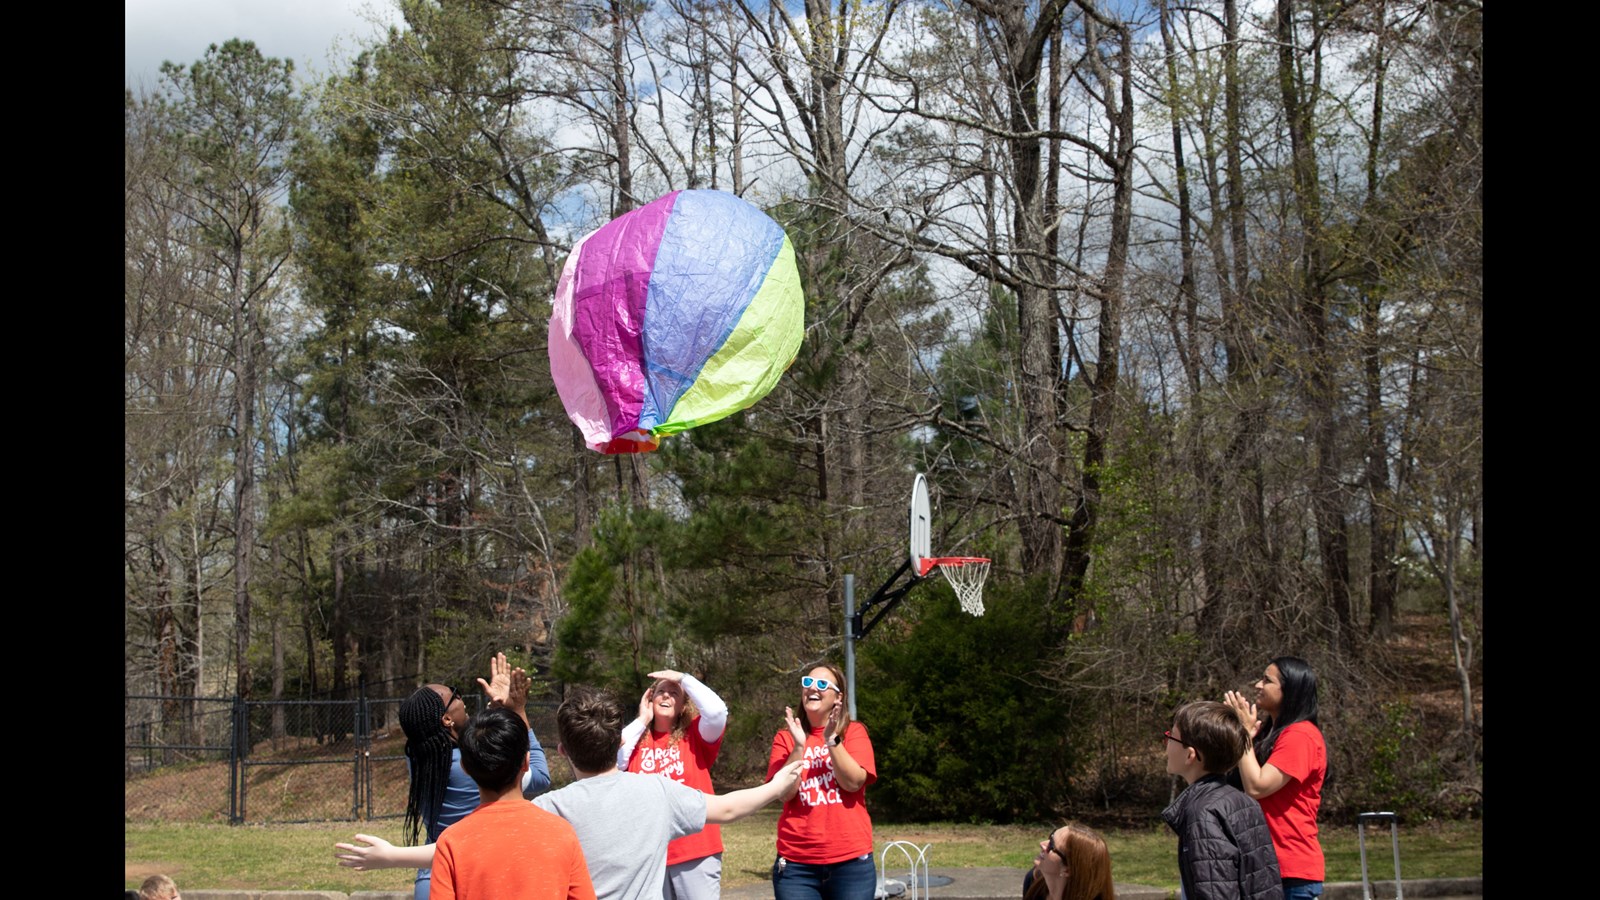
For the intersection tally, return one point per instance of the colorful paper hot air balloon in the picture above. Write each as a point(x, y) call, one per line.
point(673, 315)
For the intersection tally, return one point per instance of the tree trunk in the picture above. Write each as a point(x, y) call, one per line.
point(1117, 94)
point(1039, 353)
point(244, 400)
point(1327, 489)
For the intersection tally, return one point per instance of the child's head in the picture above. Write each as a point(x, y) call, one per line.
point(494, 748)
point(590, 726)
point(1207, 738)
point(158, 887)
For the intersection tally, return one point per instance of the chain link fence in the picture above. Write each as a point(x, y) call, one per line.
point(220, 759)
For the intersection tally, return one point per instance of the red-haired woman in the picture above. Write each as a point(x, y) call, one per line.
point(1073, 864)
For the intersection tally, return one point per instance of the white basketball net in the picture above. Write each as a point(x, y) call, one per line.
point(968, 578)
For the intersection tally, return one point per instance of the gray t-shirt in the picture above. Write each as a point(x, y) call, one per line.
point(624, 822)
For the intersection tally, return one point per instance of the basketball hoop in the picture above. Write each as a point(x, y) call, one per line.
point(966, 574)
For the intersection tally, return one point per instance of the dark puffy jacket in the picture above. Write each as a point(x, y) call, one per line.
point(1224, 848)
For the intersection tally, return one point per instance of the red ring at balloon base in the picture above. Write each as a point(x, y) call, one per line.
point(635, 441)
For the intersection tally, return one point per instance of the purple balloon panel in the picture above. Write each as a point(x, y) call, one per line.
point(715, 253)
point(612, 286)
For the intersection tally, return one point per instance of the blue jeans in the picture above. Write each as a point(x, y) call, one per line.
point(1301, 889)
point(853, 879)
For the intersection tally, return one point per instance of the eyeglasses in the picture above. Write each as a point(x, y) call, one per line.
point(1172, 737)
point(451, 699)
point(821, 684)
point(1050, 845)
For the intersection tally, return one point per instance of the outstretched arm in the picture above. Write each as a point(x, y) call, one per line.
point(536, 780)
point(380, 854)
point(508, 687)
point(734, 805)
point(713, 711)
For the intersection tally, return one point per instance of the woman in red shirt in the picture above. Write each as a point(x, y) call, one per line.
point(824, 832)
point(1286, 767)
point(678, 735)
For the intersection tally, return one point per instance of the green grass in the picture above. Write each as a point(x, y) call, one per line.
point(300, 857)
point(1150, 856)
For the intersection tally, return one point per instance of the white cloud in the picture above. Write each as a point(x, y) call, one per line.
point(318, 35)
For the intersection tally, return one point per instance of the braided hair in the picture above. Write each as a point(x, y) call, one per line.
point(428, 747)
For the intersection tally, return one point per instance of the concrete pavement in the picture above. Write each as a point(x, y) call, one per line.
point(964, 884)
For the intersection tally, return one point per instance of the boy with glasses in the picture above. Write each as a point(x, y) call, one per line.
point(1224, 848)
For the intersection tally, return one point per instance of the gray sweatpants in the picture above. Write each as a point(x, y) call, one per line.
point(696, 879)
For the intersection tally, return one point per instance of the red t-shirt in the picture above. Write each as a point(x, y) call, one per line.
point(1291, 810)
point(688, 762)
point(822, 824)
point(510, 851)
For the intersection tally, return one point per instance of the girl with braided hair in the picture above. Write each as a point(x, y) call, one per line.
point(441, 792)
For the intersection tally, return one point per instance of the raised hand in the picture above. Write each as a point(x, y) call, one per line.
point(646, 712)
point(795, 731)
point(1245, 710)
point(498, 687)
point(835, 721)
point(667, 675)
point(521, 683)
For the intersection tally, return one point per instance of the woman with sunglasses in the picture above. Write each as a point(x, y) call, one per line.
point(1073, 864)
point(824, 832)
point(441, 793)
point(1285, 768)
point(678, 734)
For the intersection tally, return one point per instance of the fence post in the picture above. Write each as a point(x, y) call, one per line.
point(363, 742)
point(238, 744)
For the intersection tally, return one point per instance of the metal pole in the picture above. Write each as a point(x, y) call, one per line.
point(1394, 839)
point(238, 750)
point(363, 741)
point(850, 641)
point(1361, 843)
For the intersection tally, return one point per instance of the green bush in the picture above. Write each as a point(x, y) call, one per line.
point(962, 727)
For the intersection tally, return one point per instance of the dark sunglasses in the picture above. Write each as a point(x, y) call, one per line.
point(451, 699)
point(821, 684)
point(1169, 736)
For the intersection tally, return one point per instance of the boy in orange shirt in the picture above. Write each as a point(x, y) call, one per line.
point(507, 848)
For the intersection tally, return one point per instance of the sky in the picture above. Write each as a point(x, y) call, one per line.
point(302, 30)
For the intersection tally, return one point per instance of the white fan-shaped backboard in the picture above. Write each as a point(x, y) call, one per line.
point(921, 524)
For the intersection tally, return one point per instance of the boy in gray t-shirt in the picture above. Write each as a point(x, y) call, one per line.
point(623, 818)
point(608, 811)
